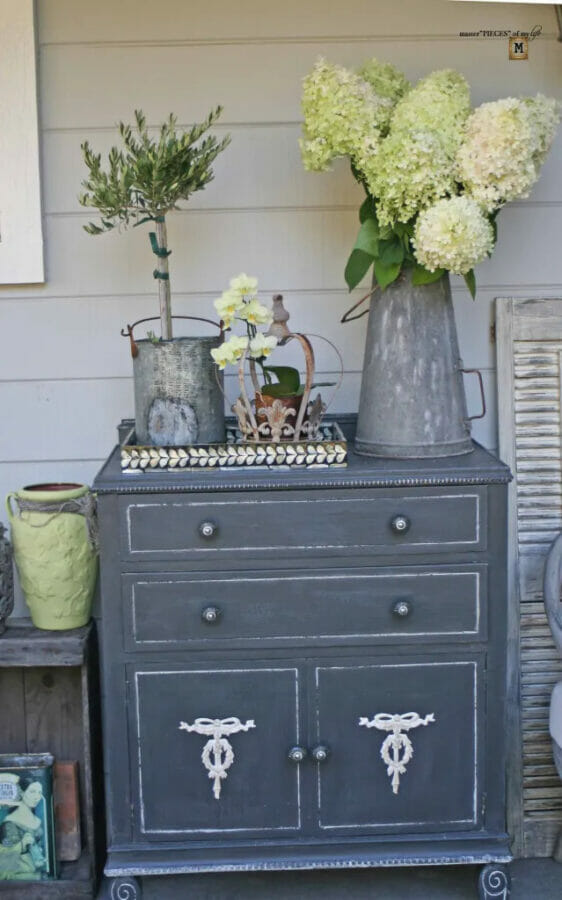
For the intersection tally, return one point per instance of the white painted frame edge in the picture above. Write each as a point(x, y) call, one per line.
point(21, 226)
point(507, 452)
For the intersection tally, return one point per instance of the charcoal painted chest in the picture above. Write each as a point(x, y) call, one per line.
point(303, 669)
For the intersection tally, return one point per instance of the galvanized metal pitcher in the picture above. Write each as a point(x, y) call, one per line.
point(412, 401)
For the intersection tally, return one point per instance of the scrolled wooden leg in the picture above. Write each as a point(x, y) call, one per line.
point(494, 882)
point(125, 888)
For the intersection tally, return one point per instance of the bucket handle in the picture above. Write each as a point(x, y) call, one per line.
point(128, 331)
point(478, 374)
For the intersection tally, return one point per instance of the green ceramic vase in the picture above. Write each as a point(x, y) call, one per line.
point(55, 552)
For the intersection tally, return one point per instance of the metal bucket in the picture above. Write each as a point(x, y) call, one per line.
point(412, 402)
point(178, 392)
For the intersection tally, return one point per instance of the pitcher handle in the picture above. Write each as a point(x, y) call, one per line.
point(478, 374)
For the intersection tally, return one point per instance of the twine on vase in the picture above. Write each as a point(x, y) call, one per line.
point(81, 506)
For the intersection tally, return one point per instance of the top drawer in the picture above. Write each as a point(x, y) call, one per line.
point(297, 524)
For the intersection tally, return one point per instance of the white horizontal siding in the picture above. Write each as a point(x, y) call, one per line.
point(65, 372)
point(256, 82)
point(247, 175)
point(289, 249)
point(136, 20)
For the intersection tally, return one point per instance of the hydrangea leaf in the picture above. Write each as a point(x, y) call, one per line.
point(386, 273)
point(470, 280)
point(421, 275)
point(357, 267)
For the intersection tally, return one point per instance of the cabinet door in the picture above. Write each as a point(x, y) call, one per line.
point(404, 745)
point(212, 751)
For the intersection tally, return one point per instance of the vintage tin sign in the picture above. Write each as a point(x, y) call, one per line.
point(27, 828)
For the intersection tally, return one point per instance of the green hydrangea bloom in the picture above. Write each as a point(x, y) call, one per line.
point(342, 113)
point(414, 165)
point(387, 81)
point(410, 172)
point(439, 103)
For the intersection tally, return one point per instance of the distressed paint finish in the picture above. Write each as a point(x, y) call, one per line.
point(178, 392)
point(412, 400)
point(307, 580)
point(529, 360)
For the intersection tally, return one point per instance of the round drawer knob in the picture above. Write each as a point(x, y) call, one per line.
point(402, 608)
point(297, 754)
point(211, 615)
point(208, 530)
point(400, 524)
point(320, 753)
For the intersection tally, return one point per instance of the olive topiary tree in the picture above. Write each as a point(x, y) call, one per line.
point(145, 180)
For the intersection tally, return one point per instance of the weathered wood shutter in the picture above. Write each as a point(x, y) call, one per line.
point(529, 350)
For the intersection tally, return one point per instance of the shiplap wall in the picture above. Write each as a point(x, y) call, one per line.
point(65, 374)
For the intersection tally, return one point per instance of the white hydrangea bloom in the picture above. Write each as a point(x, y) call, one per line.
point(505, 145)
point(453, 234)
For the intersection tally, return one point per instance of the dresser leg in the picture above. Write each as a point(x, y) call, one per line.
point(125, 889)
point(494, 881)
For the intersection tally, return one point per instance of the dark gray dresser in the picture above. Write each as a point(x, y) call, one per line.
point(304, 669)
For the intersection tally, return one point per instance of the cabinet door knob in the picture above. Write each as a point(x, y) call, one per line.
point(211, 615)
point(402, 608)
point(320, 753)
point(400, 524)
point(297, 754)
point(208, 530)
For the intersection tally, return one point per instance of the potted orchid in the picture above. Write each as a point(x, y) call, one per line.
point(436, 174)
point(280, 408)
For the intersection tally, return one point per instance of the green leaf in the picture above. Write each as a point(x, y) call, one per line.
point(391, 251)
point(386, 273)
point(493, 222)
point(368, 210)
point(288, 380)
point(470, 280)
point(368, 238)
point(421, 275)
point(357, 267)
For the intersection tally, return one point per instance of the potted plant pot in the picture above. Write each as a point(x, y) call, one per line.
point(55, 551)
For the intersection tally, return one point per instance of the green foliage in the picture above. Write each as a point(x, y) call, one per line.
point(288, 382)
point(421, 275)
point(147, 177)
point(470, 280)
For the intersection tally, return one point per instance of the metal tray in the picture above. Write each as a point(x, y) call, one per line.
point(329, 449)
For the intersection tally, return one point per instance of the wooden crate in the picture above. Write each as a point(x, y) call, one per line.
point(50, 702)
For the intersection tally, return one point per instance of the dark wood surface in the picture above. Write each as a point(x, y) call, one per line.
point(49, 697)
point(24, 645)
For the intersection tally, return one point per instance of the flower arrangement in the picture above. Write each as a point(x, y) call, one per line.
point(435, 173)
